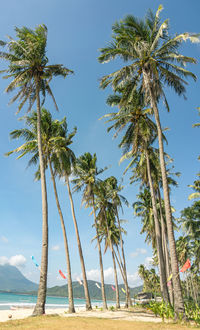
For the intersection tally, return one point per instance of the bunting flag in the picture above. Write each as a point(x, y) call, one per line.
point(79, 281)
point(123, 290)
point(186, 266)
point(169, 278)
point(61, 274)
point(35, 262)
point(113, 288)
point(169, 283)
point(97, 285)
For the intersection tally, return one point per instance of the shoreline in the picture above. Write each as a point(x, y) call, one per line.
point(122, 314)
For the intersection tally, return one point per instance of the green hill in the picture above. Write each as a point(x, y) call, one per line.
point(12, 280)
point(95, 293)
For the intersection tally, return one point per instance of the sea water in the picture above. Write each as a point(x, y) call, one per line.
point(9, 300)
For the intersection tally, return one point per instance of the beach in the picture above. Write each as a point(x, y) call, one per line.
point(122, 314)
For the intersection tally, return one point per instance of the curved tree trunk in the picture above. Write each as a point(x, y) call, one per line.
point(100, 259)
point(178, 297)
point(128, 298)
point(69, 276)
point(163, 278)
point(165, 250)
point(116, 280)
point(41, 297)
point(85, 284)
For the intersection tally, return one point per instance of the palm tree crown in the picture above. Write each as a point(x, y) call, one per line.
point(28, 65)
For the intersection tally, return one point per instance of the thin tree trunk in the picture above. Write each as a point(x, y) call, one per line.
point(100, 259)
point(163, 278)
point(178, 297)
point(165, 250)
point(69, 276)
point(116, 280)
point(119, 261)
point(85, 284)
point(41, 297)
point(114, 263)
point(128, 298)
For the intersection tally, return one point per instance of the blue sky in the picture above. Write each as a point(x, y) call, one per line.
point(76, 30)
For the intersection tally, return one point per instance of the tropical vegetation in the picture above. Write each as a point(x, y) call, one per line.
point(151, 61)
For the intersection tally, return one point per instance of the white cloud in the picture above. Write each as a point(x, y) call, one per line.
point(138, 252)
point(148, 261)
point(18, 261)
point(4, 239)
point(3, 260)
point(55, 247)
point(94, 274)
point(134, 279)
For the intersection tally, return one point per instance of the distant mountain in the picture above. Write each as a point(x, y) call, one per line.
point(12, 280)
point(95, 292)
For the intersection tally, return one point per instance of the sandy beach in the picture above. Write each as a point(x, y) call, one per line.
point(123, 314)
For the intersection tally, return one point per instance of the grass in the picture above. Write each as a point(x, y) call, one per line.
point(54, 322)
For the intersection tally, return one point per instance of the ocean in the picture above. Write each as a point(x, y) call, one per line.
point(10, 300)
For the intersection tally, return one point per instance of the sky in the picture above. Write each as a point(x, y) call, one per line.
point(77, 29)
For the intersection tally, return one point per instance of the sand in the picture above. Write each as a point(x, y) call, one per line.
point(123, 314)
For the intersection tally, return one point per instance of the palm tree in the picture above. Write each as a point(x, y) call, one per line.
point(196, 187)
point(55, 147)
point(117, 201)
point(141, 132)
point(30, 73)
point(153, 61)
point(107, 229)
point(85, 172)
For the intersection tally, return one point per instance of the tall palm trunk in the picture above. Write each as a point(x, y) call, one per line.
point(128, 298)
point(85, 284)
point(165, 250)
point(100, 258)
point(163, 278)
point(121, 267)
point(41, 297)
point(116, 280)
point(69, 276)
point(178, 297)
point(120, 264)
point(114, 263)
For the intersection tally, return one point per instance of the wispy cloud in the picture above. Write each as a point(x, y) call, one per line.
point(4, 239)
point(55, 248)
point(138, 252)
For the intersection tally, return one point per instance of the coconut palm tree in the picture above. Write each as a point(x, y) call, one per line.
point(107, 230)
point(63, 160)
point(153, 61)
point(117, 200)
point(31, 74)
point(55, 142)
point(140, 133)
point(85, 173)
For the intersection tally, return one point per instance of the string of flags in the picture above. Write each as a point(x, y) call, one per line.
point(35, 262)
point(186, 266)
point(113, 288)
point(97, 285)
point(78, 279)
point(61, 274)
